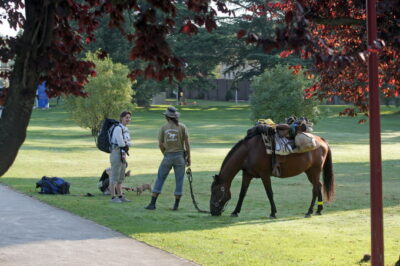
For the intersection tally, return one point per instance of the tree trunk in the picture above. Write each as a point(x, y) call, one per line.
point(15, 117)
point(23, 83)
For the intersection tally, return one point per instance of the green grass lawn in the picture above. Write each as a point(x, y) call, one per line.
point(55, 146)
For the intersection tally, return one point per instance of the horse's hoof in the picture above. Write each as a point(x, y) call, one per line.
point(234, 214)
point(272, 217)
point(307, 215)
point(318, 213)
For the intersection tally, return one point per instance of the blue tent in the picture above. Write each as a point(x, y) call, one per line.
point(43, 99)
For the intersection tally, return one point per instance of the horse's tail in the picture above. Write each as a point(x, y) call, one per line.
point(329, 178)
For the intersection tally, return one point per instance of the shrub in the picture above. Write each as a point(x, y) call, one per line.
point(228, 95)
point(109, 93)
point(278, 94)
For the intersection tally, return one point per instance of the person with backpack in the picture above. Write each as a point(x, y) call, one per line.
point(120, 141)
point(174, 145)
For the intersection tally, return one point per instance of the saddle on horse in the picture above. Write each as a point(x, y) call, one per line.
point(285, 139)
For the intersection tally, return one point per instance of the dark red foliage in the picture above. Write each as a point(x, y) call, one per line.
point(189, 28)
point(333, 34)
point(3, 95)
point(241, 33)
point(74, 23)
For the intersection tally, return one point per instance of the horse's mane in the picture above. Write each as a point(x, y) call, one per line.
point(252, 132)
point(237, 145)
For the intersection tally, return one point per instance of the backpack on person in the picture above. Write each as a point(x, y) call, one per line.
point(53, 185)
point(104, 138)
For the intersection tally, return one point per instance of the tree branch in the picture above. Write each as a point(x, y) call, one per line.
point(335, 21)
point(238, 4)
point(46, 14)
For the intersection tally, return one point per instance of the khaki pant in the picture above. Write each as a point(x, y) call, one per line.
point(117, 167)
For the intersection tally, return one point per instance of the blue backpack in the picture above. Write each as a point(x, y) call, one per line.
point(53, 185)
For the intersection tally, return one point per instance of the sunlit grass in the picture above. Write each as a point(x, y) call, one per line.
point(55, 146)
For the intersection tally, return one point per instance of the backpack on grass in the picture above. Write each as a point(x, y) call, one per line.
point(104, 181)
point(104, 137)
point(53, 185)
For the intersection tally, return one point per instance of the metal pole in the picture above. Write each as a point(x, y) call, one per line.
point(377, 256)
point(236, 96)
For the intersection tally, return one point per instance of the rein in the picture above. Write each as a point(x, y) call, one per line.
point(190, 178)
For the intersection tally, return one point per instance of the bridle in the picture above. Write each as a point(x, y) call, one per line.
point(217, 203)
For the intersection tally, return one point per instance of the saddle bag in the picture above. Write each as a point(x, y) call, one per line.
point(305, 142)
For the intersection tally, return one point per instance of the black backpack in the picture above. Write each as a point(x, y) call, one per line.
point(104, 182)
point(104, 138)
point(53, 185)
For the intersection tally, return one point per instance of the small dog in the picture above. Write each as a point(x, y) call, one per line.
point(140, 189)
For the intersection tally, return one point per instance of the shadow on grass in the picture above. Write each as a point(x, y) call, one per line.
point(65, 135)
point(57, 149)
point(292, 197)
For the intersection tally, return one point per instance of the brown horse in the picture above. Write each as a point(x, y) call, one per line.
point(249, 155)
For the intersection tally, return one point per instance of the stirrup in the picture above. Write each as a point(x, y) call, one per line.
point(276, 171)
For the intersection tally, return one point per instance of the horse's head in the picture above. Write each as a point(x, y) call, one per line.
point(219, 196)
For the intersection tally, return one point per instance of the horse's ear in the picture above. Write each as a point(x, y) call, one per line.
point(215, 177)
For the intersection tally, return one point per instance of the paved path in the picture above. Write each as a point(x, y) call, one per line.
point(34, 233)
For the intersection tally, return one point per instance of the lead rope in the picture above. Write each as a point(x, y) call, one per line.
point(190, 178)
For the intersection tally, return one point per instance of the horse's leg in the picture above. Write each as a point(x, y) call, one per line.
point(313, 177)
point(245, 185)
point(320, 201)
point(268, 188)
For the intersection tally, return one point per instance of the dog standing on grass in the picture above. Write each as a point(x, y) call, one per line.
point(140, 189)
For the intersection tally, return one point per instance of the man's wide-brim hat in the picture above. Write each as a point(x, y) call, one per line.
point(171, 112)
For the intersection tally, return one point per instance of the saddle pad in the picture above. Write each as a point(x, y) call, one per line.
point(282, 145)
point(304, 142)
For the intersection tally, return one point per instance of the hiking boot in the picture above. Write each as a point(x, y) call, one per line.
point(150, 207)
point(152, 204)
point(116, 200)
point(176, 205)
point(123, 199)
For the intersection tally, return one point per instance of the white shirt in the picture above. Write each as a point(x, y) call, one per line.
point(121, 136)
